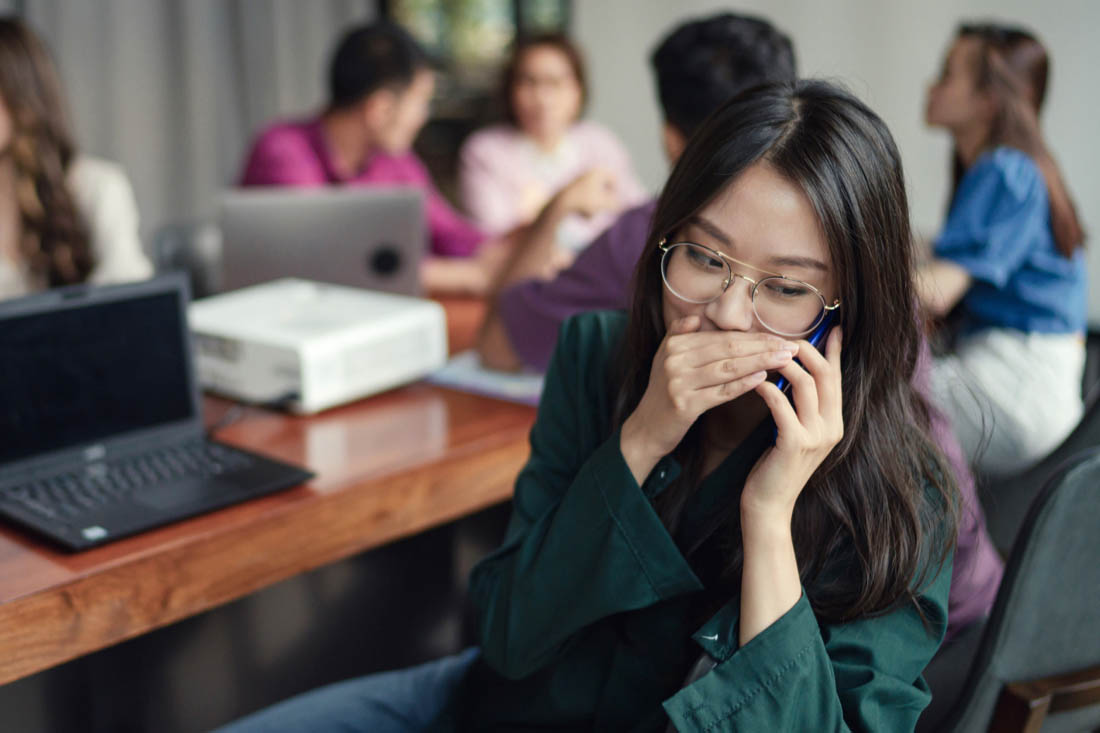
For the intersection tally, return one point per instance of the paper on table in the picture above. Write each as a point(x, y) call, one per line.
point(464, 372)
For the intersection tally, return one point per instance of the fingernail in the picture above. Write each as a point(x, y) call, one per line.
point(782, 356)
point(790, 346)
point(757, 377)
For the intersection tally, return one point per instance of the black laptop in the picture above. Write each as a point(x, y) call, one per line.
point(101, 432)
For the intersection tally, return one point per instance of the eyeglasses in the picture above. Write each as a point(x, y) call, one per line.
point(783, 305)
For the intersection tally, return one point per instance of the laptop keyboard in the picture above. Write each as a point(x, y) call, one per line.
point(74, 494)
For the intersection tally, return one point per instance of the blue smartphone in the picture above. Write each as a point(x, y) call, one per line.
point(816, 339)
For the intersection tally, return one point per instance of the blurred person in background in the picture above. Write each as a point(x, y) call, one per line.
point(65, 218)
point(699, 66)
point(1010, 255)
point(545, 153)
point(380, 89)
point(677, 503)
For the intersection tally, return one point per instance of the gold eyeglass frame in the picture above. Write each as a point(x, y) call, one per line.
point(666, 247)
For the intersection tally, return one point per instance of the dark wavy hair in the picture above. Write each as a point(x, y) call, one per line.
point(55, 237)
point(1012, 67)
point(883, 501)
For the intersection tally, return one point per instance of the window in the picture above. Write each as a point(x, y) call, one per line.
point(470, 39)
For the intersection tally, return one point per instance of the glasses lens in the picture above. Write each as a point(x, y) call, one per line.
point(694, 273)
point(788, 307)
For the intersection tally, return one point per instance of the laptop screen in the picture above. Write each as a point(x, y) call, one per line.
point(72, 376)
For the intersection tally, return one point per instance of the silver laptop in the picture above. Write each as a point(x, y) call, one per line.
point(362, 237)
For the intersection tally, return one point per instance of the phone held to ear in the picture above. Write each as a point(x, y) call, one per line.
point(816, 339)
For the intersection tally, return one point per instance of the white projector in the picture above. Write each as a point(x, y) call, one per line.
point(309, 346)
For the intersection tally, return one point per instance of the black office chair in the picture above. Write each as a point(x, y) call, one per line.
point(1005, 501)
point(1039, 653)
point(193, 248)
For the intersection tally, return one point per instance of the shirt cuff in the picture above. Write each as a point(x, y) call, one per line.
point(778, 651)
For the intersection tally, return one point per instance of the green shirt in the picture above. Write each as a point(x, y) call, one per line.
point(588, 612)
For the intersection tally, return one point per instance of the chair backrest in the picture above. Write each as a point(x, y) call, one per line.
point(1090, 380)
point(193, 248)
point(1006, 501)
point(1046, 617)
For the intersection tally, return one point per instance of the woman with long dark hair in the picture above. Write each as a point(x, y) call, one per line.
point(677, 502)
point(681, 502)
point(1010, 254)
point(64, 218)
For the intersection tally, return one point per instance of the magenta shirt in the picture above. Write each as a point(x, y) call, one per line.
point(295, 154)
point(600, 279)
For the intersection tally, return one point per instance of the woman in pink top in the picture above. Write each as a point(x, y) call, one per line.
point(510, 172)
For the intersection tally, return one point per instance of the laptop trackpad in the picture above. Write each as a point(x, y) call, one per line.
point(181, 493)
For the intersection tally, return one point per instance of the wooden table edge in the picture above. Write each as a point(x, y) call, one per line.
point(81, 625)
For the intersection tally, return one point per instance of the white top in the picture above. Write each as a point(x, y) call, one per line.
point(104, 197)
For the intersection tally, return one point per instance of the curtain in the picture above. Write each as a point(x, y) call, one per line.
point(174, 89)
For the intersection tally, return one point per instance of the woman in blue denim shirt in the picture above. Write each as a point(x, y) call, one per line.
point(1010, 254)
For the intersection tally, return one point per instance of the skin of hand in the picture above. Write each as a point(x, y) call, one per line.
point(591, 193)
point(940, 285)
point(467, 275)
point(807, 432)
point(692, 372)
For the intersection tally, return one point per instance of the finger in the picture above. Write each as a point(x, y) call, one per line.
point(825, 374)
point(725, 370)
point(786, 420)
point(804, 388)
point(831, 393)
point(704, 399)
point(606, 174)
point(833, 347)
point(710, 346)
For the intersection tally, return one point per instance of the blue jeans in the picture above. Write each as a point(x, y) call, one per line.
point(404, 701)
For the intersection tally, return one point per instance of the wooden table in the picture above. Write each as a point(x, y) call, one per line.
point(387, 467)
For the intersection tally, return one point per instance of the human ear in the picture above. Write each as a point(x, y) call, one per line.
point(673, 140)
point(378, 108)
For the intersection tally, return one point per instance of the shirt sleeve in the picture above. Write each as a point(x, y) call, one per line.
point(583, 542)
point(998, 214)
point(281, 159)
point(485, 191)
point(451, 234)
point(797, 675)
point(599, 279)
point(107, 203)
